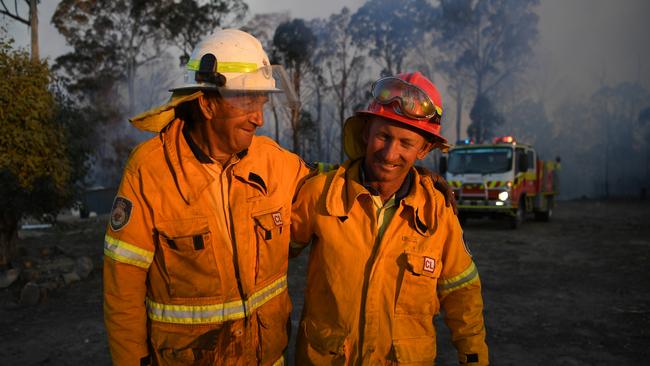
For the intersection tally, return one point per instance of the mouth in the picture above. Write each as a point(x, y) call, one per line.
point(249, 130)
point(387, 165)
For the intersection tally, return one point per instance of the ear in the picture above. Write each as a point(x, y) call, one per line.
point(206, 106)
point(424, 150)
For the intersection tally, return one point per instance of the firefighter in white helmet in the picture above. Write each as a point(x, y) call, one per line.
point(197, 245)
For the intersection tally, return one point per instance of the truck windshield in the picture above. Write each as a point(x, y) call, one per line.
point(480, 160)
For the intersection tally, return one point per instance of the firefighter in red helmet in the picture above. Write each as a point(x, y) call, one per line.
point(386, 253)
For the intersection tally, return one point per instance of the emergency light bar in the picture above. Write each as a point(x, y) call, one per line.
point(505, 140)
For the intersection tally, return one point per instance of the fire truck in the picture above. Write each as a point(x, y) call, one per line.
point(503, 178)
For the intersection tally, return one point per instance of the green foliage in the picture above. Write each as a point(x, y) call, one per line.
point(44, 148)
point(31, 145)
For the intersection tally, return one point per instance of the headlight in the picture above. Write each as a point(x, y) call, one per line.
point(503, 196)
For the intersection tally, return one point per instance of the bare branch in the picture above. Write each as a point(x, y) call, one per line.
point(15, 16)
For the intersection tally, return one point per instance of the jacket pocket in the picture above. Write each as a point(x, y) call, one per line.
point(274, 328)
point(188, 258)
point(420, 350)
point(272, 242)
point(320, 344)
point(190, 346)
point(417, 287)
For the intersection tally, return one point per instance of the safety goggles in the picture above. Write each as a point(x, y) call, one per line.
point(413, 102)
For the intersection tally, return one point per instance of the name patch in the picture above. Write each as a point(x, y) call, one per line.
point(277, 218)
point(429, 264)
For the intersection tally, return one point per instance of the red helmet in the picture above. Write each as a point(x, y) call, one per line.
point(408, 98)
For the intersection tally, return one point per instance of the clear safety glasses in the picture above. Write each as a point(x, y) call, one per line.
point(413, 102)
point(251, 90)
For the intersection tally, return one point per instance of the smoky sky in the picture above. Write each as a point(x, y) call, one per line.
point(587, 43)
point(582, 45)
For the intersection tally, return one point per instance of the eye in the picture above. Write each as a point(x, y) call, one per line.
point(408, 144)
point(381, 137)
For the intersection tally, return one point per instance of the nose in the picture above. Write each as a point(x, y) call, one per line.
point(257, 118)
point(390, 151)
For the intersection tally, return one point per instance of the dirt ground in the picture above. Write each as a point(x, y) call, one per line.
point(574, 291)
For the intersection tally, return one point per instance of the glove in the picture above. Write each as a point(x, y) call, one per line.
point(441, 185)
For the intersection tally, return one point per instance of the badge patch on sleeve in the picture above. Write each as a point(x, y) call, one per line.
point(429, 264)
point(277, 218)
point(121, 213)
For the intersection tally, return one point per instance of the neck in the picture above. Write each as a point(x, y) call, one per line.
point(385, 189)
point(206, 139)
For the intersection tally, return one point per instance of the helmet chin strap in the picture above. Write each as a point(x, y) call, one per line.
point(208, 73)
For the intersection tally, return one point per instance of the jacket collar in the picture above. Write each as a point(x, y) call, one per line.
point(186, 159)
point(403, 190)
point(345, 187)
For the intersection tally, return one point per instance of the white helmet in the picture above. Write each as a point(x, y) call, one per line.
point(229, 60)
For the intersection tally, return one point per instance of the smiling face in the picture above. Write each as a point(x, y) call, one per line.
point(391, 150)
point(235, 120)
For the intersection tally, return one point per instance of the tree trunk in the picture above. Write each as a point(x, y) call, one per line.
point(342, 122)
point(33, 22)
point(131, 84)
point(8, 239)
point(295, 112)
point(295, 123)
point(319, 116)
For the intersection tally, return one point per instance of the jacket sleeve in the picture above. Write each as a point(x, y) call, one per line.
point(459, 290)
point(299, 209)
point(128, 253)
point(303, 212)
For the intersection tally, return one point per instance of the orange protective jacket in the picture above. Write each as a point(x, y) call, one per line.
point(373, 303)
point(178, 290)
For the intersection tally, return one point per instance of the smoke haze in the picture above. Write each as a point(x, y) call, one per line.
point(583, 46)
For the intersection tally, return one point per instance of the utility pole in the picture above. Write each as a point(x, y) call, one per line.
point(33, 23)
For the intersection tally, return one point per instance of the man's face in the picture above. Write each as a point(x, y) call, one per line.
point(392, 149)
point(236, 119)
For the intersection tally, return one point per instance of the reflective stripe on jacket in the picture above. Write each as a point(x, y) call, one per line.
point(370, 301)
point(176, 287)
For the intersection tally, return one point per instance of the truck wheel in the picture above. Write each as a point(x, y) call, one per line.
point(546, 215)
point(518, 218)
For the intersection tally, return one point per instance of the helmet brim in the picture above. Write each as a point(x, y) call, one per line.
point(197, 87)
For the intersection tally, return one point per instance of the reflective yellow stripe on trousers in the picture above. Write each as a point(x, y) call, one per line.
point(214, 313)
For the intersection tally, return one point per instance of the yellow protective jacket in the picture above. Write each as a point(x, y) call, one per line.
point(373, 303)
point(178, 287)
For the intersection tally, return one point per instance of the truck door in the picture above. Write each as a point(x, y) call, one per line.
point(521, 168)
point(531, 173)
